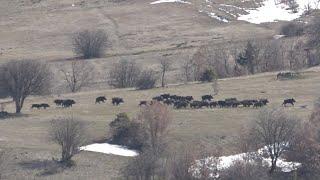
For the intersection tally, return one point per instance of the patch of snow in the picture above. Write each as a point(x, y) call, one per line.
point(107, 148)
point(219, 18)
point(170, 1)
point(272, 12)
point(278, 36)
point(224, 162)
point(228, 12)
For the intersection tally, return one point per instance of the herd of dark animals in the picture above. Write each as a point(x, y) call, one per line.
point(178, 102)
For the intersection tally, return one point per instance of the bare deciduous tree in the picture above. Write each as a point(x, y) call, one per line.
point(69, 133)
point(23, 78)
point(147, 80)
point(187, 70)
point(156, 119)
point(142, 167)
point(275, 131)
point(124, 74)
point(165, 65)
point(78, 75)
point(90, 44)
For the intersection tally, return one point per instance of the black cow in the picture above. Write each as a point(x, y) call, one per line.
point(258, 104)
point(222, 104)
point(180, 104)
point(38, 106)
point(58, 102)
point(101, 99)
point(168, 102)
point(165, 96)
point(68, 103)
point(189, 98)
point(143, 103)
point(248, 103)
point(213, 104)
point(116, 101)
point(195, 104)
point(289, 101)
point(44, 105)
point(207, 98)
point(264, 101)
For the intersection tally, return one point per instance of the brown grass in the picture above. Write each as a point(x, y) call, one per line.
point(27, 136)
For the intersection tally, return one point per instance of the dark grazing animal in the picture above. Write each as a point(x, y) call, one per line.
point(101, 99)
point(222, 104)
point(165, 96)
point(58, 102)
point(39, 106)
point(168, 102)
point(247, 103)
point(181, 104)
point(44, 105)
point(258, 104)
point(68, 103)
point(189, 98)
point(35, 106)
point(289, 101)
point(143, 103)
point(204, 104)
point(195, 104)
point(213, 104)
point(264, 101)
point(206, 98)
point(117, 101)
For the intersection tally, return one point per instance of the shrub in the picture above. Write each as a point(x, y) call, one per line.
point(127, 132)
point(147, 80)
point(69, 134)
point(292, 29)
point(288, 75)
point(208, 76)
point(244, 171)
point(90, 44)
point(124, 74)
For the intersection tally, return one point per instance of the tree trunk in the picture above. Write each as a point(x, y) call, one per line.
point(162, 79)
point(18, 106)
point(273, 166)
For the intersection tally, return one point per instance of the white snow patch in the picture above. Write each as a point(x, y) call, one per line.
point(279, 36)
point(228, 12)
point(271, 12)
point(109, 149)
point(219, 18)
point(170, 1)
point(224, 162)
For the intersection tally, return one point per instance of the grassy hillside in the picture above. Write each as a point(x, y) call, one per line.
point(26, 137)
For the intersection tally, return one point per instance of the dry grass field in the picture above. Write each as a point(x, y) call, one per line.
point(27, 142)
point(143, 33)
point(136, 29)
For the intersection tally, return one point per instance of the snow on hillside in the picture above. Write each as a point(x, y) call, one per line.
point(224, 162)
point(109, 149)
point(271, 12)
point(170, 1)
